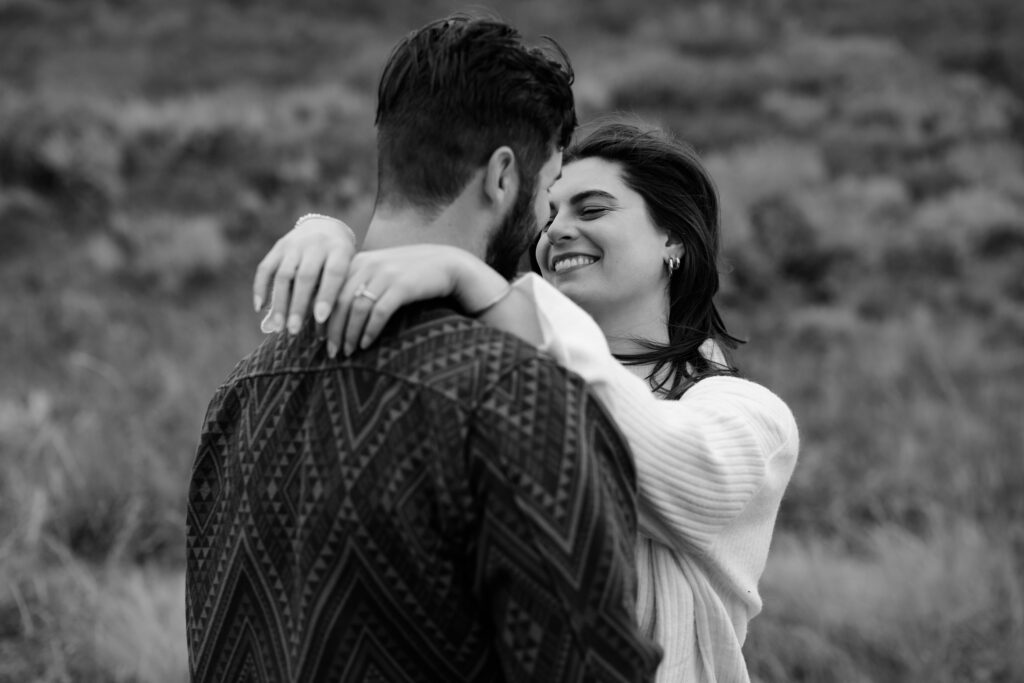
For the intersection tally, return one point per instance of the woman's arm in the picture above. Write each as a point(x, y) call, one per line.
point(314, 261)
point(379, 282)
point(700, 459)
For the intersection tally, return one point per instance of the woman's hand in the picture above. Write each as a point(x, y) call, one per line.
point(382, 281)
point(317, 250)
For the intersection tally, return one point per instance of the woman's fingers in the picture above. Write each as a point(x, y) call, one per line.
point(331, 280)
point(391, 299)
point(365, 298)
point(265, 272)
point(381, 282)
point(282, 291)
point(342, 305)
point(306, 277)
point(335, 329)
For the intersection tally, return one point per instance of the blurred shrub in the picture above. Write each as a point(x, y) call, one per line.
point(901, 607)
point(609, 16)
point(666, 78)
point(709, 28)
point(15, 11)
point(860, 213)
point(983, 36)
point(982, 231)
point(795, 112)
point(787, 250)
point(68, 153)
point(987, 109)
point(222, 129)
point(822, 65)
point(222, 152)
point(21, 213)
point(966, 216)
point(988, 163)
point(876, 108)
point(751, 173)
point(173, 251)
point(922, 110)
point(864, 148)
point(769, 167)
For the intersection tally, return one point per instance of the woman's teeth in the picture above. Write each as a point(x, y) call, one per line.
point(573, 262)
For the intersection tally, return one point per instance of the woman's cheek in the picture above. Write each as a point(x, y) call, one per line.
point(541, 254)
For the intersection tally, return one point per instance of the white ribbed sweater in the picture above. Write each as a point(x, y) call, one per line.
point(711, 469)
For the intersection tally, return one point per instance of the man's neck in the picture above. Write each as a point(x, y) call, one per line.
point(397, 227)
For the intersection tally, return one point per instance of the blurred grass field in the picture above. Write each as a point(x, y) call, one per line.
point(871, 162)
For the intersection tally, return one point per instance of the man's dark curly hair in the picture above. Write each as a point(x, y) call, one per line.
point(456, 90)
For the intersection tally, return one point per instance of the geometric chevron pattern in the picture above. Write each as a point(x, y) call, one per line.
point(448, 505)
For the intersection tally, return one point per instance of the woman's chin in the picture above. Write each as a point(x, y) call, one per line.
point(573, 290)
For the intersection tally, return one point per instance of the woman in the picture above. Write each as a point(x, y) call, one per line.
point(631, 245)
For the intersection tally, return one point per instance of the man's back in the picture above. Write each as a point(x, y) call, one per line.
point(447, 506)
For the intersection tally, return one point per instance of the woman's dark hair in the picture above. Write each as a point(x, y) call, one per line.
point(454, 91)
point(681, 199)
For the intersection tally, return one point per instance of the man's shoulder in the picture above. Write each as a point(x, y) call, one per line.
point(279, 353)
point(429, 344)
point(432, 341)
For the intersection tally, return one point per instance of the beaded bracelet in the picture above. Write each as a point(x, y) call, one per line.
point(491, 304)
point(309, 216)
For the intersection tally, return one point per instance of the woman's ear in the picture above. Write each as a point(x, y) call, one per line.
point(674, 246)
point(501, 178)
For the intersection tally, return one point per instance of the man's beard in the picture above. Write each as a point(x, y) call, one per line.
point(515, 235)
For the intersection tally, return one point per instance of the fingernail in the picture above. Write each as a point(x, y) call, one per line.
point(257, 302)
point(364, 342)
point(332, 349)
point(348, 348)
point(294, 324)
point(277, 322)
point(321, 311)
point(267, 325)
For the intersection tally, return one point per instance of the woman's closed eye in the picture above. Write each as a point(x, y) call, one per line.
point(586, 213)
point(589, 213)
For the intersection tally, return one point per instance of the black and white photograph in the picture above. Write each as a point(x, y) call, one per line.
point(664, 341)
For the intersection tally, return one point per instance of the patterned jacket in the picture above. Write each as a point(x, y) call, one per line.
point(449, 505)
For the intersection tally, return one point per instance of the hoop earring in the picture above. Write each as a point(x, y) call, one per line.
point(672, 263)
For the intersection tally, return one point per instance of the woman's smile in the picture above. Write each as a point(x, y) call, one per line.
point(566, 262)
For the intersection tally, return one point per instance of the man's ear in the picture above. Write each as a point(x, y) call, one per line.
point(501, 178)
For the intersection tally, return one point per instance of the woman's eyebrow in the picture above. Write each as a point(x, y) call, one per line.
point(581, 197)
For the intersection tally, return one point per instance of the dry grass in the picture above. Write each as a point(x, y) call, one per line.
point(945, 607)
point(65, 620)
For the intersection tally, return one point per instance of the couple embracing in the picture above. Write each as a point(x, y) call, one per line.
point(449, 473)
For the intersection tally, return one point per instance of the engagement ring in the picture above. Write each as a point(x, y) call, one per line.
point(365, 293)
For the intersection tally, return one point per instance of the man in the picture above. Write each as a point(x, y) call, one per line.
point(448, 505)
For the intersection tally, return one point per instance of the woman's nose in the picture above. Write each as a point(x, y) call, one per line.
point(561, 229)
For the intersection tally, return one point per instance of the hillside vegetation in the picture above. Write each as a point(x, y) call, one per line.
point(871, 164)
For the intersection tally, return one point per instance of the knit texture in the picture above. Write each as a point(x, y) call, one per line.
point(446, 506)
point(712, 468)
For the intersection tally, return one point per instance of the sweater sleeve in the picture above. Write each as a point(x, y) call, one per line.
point(700, 459)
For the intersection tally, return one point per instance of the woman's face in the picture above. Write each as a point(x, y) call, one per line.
point(601, 248)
